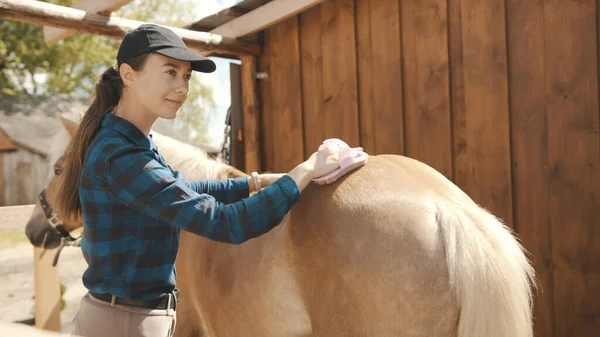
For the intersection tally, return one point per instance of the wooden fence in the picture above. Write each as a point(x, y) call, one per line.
point(500, 96)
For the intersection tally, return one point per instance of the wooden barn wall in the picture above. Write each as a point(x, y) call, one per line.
point(500, 96)
point(25, 175)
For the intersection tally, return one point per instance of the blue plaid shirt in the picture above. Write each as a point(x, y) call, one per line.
point(134, 206)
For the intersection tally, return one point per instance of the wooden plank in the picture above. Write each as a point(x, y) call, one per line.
point(285, 116)
point(15, 217)
point(312, 80)
point(47, 290)
point(339, 78)
point(251, 110)
point(2, 186)
point(364, 54)
point(571, 73)
point(237, 118)
point(42, 13)
point(213, 21)
point(266, 103)
point(25, 175)
point(264, 17)
point(388, 87)
point(380, 73)
point(482, 163)
point(457, 87)
point(104, 7)
point(529, 139)
point(426, 83)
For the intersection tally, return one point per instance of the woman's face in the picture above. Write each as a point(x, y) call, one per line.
point(162, 85)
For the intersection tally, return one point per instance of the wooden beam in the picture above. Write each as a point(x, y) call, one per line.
point(215, 20)
point(264, 17)
point(208, 23)
point(43, 13)
point(104, 7)
point(15, 217)
point(47, 289)
point(251, 110)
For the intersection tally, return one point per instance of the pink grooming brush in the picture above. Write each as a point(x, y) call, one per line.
point(350, 159)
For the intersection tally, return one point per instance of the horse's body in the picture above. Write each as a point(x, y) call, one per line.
point(330, 271)
point(393, 249)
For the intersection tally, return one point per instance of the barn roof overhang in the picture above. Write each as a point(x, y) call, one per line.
point(251, 16)
point(224, 33)
point(47, 14)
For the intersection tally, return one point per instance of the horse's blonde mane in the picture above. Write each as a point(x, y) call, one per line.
point(192, 162)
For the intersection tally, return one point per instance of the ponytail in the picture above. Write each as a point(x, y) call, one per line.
point(109, 89)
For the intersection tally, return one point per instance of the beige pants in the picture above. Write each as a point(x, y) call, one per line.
point(97, 318)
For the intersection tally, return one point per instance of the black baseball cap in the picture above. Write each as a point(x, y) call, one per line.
point(151, 38)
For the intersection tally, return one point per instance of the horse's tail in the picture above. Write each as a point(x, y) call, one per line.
point(489, 272)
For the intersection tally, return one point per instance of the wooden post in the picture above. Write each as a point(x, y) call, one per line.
point(47, 14)
point(251, 110)
point(47, 290)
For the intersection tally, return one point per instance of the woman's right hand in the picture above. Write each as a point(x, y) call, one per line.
point(323, 161)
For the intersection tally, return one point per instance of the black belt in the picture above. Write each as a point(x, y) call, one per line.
point(164, 301)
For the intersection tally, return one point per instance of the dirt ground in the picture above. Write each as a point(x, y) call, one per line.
point(16, 279)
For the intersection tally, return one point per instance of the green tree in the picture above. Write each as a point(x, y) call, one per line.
point(29, 66)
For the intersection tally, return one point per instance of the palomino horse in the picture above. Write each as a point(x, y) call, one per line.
point(392, 249)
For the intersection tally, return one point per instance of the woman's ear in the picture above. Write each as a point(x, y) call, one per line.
point(127, 74)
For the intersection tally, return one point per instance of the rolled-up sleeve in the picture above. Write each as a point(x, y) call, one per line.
point(139, 181)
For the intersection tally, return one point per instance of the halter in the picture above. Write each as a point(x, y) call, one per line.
point(226, 149)
point(57, 224)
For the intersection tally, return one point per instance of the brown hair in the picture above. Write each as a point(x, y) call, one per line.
point(109, 89)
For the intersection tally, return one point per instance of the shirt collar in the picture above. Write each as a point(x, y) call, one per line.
point(127, 129)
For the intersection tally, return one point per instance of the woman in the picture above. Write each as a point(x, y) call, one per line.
point(134, 204)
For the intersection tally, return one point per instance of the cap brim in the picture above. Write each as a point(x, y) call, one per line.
point(198, 62)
